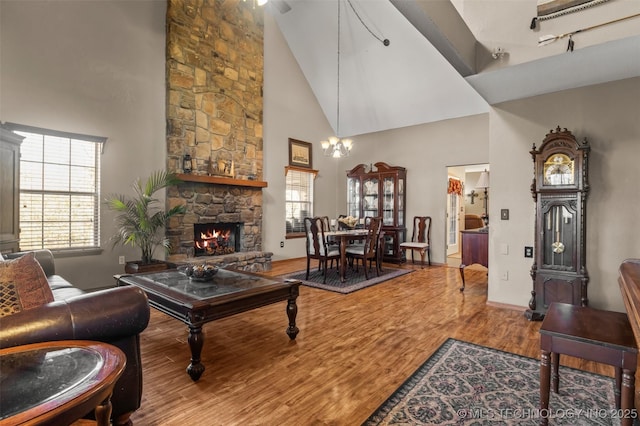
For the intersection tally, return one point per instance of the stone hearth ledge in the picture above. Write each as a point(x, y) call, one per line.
point(250, 261)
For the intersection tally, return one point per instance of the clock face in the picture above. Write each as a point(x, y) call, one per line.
point(558, 170)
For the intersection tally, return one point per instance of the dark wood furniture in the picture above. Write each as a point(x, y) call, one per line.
point(475, 249)
point(196, 303)
point(9, 191)
point(369, 250)
point(344, 236)
point(317, 245)
point(629, 281)
point(58, 382)
point(560, 188)
point(379, 190)
point(594, 335)
point(420, 240)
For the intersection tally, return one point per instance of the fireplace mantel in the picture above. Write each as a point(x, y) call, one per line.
point(217, 180)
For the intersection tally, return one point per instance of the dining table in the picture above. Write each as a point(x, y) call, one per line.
point(344, 236)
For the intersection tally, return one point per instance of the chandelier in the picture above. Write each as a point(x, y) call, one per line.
point(336, 147)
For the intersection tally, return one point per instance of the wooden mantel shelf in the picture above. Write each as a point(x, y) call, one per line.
point(221, 180)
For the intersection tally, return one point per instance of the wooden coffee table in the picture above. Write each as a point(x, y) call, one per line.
point(196, 303)
point(58, 382)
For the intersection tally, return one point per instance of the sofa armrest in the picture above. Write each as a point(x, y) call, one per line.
point(105, 315)
point(44, 258)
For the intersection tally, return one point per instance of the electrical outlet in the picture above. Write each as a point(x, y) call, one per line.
point(505, 276)
point(121, 260)
point(281, 244)
point(528, 251)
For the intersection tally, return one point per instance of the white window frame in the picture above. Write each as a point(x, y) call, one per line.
point(298, 194)
point(75, 227)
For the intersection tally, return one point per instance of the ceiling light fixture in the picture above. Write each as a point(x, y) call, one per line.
point(336, 147)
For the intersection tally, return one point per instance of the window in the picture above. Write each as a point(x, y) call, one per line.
point(299, 198)
point(59, 189)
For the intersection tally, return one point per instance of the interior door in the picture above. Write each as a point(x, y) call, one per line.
point(453, 221)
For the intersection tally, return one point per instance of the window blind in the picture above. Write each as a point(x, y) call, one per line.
point(59, 189)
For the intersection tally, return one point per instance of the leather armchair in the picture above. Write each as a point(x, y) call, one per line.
point(116, 316)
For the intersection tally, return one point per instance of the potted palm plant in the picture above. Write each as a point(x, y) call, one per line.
point(140, 222)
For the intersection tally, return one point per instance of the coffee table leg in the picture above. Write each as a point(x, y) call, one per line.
point(292, 312)
point(196, 340)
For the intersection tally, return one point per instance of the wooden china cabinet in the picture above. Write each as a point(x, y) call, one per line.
point(560, 188)
point(379, 190)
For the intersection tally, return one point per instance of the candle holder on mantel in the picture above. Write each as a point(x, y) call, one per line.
point(221, 168)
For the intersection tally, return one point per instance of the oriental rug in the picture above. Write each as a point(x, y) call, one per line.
point(464, 383)
point(354, 280)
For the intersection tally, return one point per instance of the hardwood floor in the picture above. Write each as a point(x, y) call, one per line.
point(352, 352)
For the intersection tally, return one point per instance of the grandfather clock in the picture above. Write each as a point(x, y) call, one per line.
point(560, 188)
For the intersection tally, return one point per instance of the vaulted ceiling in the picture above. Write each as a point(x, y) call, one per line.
point(438, 63)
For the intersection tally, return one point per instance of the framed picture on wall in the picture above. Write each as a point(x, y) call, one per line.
point(300, 154)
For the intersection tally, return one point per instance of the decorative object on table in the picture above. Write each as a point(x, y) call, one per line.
point(353, 280)
point(483, 183)
point(560, 189)
point(140, 222)
point(549, 9)
point(380, 191)
point(462, 380)
point(300, 154)
point(199, 272)
point(544, 40)
point(349, 221)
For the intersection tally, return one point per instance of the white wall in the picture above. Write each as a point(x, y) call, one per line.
point(425, 151)
point(291, 111)
point(607, 115)
point(95, 68)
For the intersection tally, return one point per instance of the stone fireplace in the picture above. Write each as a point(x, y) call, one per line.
point(214, 116)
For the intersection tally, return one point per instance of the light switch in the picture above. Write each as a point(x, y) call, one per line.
point(504, 214)
point(504, 248)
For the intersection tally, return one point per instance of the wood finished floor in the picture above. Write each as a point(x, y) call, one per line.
point(352, 352)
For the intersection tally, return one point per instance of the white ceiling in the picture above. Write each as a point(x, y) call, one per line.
point(410, 82)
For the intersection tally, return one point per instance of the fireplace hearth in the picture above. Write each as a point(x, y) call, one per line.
point(216, 239)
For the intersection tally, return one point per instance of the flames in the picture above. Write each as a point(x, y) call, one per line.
point(214, 242)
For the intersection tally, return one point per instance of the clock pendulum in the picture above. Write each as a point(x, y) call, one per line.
point(558, 246)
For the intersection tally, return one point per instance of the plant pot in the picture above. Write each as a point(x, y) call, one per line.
point(138, 267)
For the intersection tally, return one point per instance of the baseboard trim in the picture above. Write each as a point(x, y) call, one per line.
point(507, 306)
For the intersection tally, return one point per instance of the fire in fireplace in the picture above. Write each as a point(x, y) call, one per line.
point(214, 239)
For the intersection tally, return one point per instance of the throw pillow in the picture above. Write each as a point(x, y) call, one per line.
point(23, 285)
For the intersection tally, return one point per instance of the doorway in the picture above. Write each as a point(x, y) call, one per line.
point(463, 200)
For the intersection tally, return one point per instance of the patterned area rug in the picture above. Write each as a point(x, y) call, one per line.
point(354, 280)
point(463, 383)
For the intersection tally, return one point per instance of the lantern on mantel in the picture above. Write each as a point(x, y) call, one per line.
point(187, 164)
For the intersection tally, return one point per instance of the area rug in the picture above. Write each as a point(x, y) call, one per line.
point(463, 383)
point(353, 280)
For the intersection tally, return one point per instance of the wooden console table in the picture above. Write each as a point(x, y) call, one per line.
point(475, 249)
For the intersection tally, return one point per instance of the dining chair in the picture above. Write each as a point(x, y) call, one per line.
point(369, 250)
point(317, 247)
point(420, 239)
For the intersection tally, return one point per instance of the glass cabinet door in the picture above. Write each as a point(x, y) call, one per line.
point(388, 200)
point(353, 197)
point(370, 201)
point(401, 202)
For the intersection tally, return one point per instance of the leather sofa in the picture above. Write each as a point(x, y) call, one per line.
point(116, 316)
